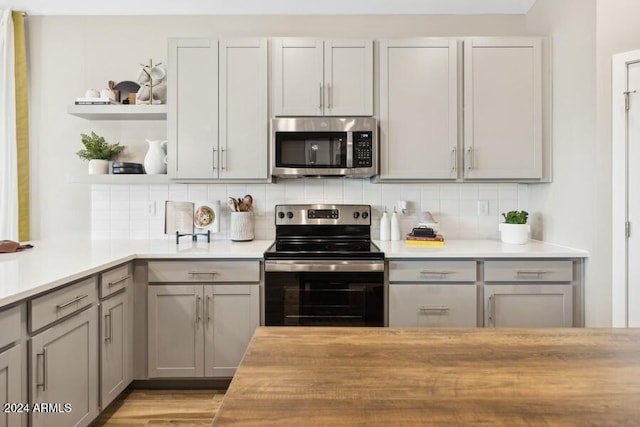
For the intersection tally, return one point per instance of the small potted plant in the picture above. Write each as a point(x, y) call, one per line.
point(98, 152)
point(515, 229)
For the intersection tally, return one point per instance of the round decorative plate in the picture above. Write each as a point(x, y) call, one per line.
point(203, 216)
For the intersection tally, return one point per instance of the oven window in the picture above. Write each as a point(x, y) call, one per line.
point(311, 149)
point(324, 299)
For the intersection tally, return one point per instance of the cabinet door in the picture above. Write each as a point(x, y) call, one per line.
point(232, 313)
point(12, 388)
point(528, 306)
point(348, 77)
point(115, 346)
point(415, 305)
point(192, 119)
point(175, 331)
point(298, 82)
point(503, 108)
point(64, 370)
point(418, 109)
point(243, 109)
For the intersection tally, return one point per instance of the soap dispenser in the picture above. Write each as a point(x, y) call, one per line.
point(385, 226)
point(395, 226)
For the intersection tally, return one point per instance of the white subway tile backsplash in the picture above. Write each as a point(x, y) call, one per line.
point(122, 211)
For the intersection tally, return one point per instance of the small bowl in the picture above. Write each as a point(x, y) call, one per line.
point(435, 226)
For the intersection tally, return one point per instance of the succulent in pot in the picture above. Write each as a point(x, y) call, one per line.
point(514, 229)
point(98, 152)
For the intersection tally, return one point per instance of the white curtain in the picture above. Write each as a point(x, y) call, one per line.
point(8, 144)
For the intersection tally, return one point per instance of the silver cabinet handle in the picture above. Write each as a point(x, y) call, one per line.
point(215, 162)
point(469, 158)
point(434, 308)
point(120, 280)
point(206, 314)
point(43, 384)
point(108, 327)
point(321, 96)
point(202, 272)
point(224, 155)
point(436, 272)
point(330, 96)
point(74, 300)
point(531, 272)
point(197, 309)
point(453, 160)
point(492, 311)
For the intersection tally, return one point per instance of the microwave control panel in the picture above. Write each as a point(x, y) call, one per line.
point(362, 149)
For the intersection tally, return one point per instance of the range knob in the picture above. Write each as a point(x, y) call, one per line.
point(280, 215)
point(365, 215)
point(289, 214)
point(356, 215)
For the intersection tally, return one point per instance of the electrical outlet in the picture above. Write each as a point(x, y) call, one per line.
point(151, 208)
point(483, 208)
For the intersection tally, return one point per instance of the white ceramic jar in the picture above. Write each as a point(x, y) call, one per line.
point(155, 161)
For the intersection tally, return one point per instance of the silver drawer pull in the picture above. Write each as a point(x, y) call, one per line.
point(76, 299)
point(439, 272)
point(202, 272)
point(43, 384)
point(531, 272)
point(120, 280)
point(434, 308)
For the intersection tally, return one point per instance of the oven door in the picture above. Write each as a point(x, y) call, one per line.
point(324, 293)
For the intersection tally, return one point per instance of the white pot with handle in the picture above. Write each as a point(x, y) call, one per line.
point(155, 161)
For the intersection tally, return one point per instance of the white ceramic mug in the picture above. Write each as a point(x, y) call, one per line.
point(157, 73)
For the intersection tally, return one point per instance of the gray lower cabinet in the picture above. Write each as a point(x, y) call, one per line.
point(13, 378)
point(116, 333)
point(200, 330)
point(432, 293)
point(63, 365)
point(528, 293)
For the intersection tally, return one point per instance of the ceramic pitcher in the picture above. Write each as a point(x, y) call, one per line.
point(155, 162)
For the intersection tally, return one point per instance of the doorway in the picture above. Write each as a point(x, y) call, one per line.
point(626, 189)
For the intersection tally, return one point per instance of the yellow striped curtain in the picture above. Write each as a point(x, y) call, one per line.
point(22, 124)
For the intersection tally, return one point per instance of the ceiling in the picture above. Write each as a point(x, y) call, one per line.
point(270, 7)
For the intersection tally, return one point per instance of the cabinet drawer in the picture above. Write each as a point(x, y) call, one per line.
point(432, 271)
point(113, 280)
point(528, 271)
point(204, 271)
point(61, 303)
point(10, 325)
point(432, 305)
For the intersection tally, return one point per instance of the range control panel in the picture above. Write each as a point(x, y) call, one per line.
point(323, 214)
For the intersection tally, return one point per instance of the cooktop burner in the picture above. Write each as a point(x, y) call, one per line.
point(323, 232)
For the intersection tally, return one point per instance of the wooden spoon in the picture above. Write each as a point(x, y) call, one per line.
point(248, 200)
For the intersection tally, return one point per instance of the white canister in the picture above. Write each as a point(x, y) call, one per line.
point(515, 234)
point(385, 227)
point(98, 167)
point(241, 228)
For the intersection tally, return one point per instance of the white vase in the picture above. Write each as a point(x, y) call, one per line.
point(98, 167)
point(516, 234)
point(155, 161)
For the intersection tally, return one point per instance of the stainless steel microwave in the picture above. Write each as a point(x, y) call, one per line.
point(324, 147)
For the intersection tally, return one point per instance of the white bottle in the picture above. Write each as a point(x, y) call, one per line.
point(385, 226)
point(395, 226)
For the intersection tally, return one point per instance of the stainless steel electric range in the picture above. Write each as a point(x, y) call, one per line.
point(323, 269)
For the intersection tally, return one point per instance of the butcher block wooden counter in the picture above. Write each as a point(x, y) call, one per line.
point(297, 376)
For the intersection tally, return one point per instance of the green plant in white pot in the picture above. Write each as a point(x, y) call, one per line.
point(98, 152)
point(514, 229)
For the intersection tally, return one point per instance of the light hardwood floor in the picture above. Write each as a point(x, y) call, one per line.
point(162, 408)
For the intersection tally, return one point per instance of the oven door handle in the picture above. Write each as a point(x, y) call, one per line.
point(324, 265)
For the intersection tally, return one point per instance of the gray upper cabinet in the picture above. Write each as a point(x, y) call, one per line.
point(503, 108)
point(314, 77)
point(218, 109)
point(418, 109)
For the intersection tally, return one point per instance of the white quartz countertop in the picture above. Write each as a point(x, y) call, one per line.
point(54, 263)
point(479, 249)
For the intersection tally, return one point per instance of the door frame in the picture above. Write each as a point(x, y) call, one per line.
point(619, 180)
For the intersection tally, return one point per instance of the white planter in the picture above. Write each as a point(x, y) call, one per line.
point(516, 234)
point(98, 167)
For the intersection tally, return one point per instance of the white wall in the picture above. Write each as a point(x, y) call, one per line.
point(571, 204)
point(67, 55)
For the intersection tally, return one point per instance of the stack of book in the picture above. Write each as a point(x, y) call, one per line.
point(94, 101)
point(424, 241)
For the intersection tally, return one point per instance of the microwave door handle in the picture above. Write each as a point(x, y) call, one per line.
point(349, 149)
point(313, 154)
